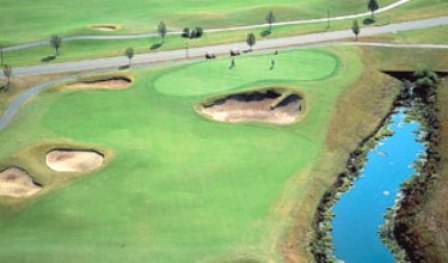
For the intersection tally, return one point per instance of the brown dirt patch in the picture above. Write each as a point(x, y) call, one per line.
point(269, 106)
point(106, 27)
point(110, 83)
point(15, 182)
point(68, 160)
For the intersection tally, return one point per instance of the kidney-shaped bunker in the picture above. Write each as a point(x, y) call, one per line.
point(274, 105)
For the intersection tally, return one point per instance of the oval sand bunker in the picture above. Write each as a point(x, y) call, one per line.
point(15, 182)
point(107, 83)
point(270, 106)
point(105, 27)
point(74, 160)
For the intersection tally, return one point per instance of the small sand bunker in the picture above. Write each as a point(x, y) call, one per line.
point(109, 83)
point(67, 160)
point(15, 182)
point(270, 106)
point(105, 27)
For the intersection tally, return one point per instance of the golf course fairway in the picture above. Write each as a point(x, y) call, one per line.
point(40, 19)
point(175, 187)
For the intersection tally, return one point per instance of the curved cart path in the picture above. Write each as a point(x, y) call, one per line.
point(225, 29)
point(178, 56)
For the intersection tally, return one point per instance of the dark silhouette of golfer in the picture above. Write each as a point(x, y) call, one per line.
point(232, 63)
point(272, 64)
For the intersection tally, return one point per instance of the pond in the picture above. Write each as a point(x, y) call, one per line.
point(359, 212)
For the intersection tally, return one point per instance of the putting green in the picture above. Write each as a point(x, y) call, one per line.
point(178, 188)
point(215, 76)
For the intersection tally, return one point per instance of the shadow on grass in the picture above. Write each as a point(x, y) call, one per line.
point(265, 33)
point(48, 58)
point(368, 21)
point(124, 67)
point(156, 46)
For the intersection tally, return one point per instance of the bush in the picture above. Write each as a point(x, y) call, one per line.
point(199, 31)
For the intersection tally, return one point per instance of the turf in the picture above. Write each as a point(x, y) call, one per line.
point(220, 76)
point(79, 50)
point(178, 187)
point(39, 19)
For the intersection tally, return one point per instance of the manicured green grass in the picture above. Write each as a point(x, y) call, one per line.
point(219, 75)
point(34, 20)
point(178, 187)
point(79, 50)
point(435, 35)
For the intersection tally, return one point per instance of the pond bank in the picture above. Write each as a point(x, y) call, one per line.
point(422, 111)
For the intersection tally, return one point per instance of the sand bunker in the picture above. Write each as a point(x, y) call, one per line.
point(105, 27)
point(269, 106)
point(15, 182)
point(109, 83)
point(67, 160)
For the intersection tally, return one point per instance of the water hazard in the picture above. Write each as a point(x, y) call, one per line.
point(359, 212)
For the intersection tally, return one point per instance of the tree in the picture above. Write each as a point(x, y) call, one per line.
point(56, 43)
point(426, 84)
point(270, 18)
point(251, 40)
point(7, 72)
point(373, 6)
point(129, 53)
point(186, 33)
point(162, 30)
point(199, 31)
point(356, 29)
point(193, 34)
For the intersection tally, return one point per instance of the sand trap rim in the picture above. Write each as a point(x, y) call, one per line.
point(4, 169)
point(114, 83)
point(281, 88)
point(73, 149)
point(127, 76)
point(106, 27)
point(22, 181)
point(53, 167)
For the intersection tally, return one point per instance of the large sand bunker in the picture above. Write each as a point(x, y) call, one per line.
point(68, 160)
point(15, 182)
point(270, 106)
point(106, 27)
point(105, 83)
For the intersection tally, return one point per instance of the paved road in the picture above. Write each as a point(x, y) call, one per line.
point(226, 29)
point(176, 55)
point(12, 109)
